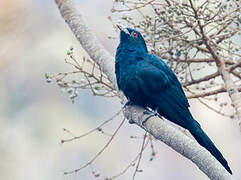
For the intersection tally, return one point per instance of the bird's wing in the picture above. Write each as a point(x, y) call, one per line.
point(154, 79)
point(160, 64)
point(159, 85)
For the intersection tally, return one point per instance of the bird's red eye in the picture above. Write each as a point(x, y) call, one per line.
point(134, 34)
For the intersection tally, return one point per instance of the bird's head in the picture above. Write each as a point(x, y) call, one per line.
point(131, 39)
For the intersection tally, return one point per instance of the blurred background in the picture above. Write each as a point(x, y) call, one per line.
point(34, 40)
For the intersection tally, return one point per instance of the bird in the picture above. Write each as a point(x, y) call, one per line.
point(147, 81)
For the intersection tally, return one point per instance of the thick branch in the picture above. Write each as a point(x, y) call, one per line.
point(158, 128)
point(179, 142)
point(87, 38)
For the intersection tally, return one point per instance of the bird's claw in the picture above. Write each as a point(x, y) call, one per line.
point(151, 114)
point(131, 121)
point(129, 103)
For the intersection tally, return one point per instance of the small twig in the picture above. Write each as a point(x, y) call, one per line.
point(131, 164)
point(139, 159)
point(205, 78)
point(238, 64)
point(153, 152)
point(93, 130)
point(204, 94)
point(213, 109)
point(237, 74)
point(99, 153)
point(134, 8)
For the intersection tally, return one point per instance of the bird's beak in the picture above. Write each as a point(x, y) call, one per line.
point(122, 28)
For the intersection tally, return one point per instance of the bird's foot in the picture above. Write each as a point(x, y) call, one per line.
point(151, 114)
point(128, 103)
point(131, 121)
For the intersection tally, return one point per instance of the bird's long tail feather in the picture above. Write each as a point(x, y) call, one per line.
point(204, 141)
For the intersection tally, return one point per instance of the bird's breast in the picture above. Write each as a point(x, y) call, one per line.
point(130, 86)
point(127, 77)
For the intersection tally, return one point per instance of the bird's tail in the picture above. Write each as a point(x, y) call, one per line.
point(204, 141)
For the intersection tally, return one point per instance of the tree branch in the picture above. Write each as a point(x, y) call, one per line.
point(205, 78)
point(197, 60)
point(230, 86)
point(87, 38)
point(238, 64)
point(178, 141)
point(206, 60)
point(158, 128)
point(209, 93)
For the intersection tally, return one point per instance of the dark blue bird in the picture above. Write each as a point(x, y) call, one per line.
point(148, 81)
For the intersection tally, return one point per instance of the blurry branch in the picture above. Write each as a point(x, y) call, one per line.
point(209, 93)
point(140, 156)
point(153, 152)
point(199, 60)
point(87, 75)
point(215, 92)
point(237, 74)
point(99, 153)
point(205, 78)
point(156, 127)
point(235, 66)
point(98, 128)
point(144, 146)
point(215, 110)
point(225, 36)
point(134, 8)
